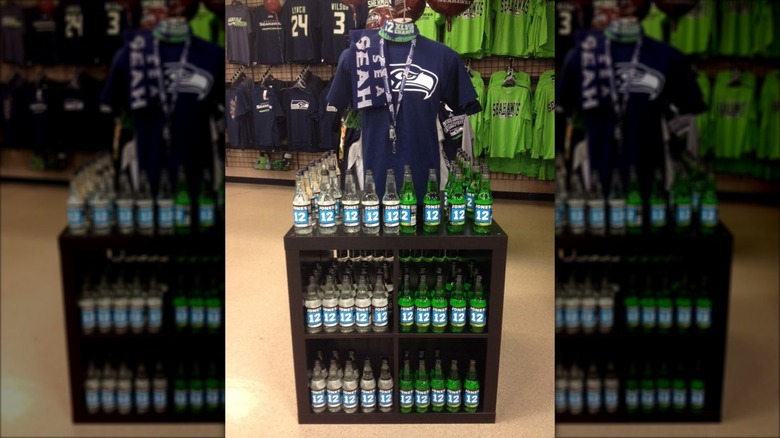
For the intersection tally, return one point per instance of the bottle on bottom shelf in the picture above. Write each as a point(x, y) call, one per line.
point(344, 389)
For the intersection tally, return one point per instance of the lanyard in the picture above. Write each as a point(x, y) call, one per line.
point(619, 106)
point(169, 107)
point(389, 92)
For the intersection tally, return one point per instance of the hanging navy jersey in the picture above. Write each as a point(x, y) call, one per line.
point(301, 108)
point(113, 19)
point(41, 37)
point(336, 20)
point(41, 103)
point(79, 36)
point(237, 30)
point(570, 18)
point(266, 110)
point(12, 33)
point(329, 123)
point(268, 37)
point(300, 23)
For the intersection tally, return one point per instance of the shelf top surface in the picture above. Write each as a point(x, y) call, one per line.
point(215, 236)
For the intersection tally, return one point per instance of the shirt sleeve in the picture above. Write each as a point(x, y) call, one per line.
point(340, 94)
point(459, 92)
point(567, 93)
point(116, 89)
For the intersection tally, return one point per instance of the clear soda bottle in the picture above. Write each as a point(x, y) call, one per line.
point(391, 203)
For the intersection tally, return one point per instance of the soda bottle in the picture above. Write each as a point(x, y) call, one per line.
point(313, 304)
point(196, 306)
point(87, 308)
point(350, 205)
point(92, 388)
point(648, 306)
point(422, 307)
point(335, 192)
point(438, 388)
point(406, 305)
point(206, 208)
point(663, 389)
point(165, 213)
point(406, 388)
point(617, 205)
point(326, 206)
point(159, 389)
point(317, 389)
point(124, 386)
point(576, 206)
point(657, 203)
point(214, 307)
point(683, 306)
point(370, 205)
point(631, 304)
point(634, 212)
point(408, 203)
point(697, 389)
point(154, 306)
point(346, 311)
point(362, 308)
point(101, 210)
point(367, 388)
point(301, 207)
point(422, 389)
point(703, 306)
point(180, 390)
point(453, 388)
point(571, 310)
point(472, 180)
point(682, 201)
point(349, 388)
point(595, 202)
point(432, 205)
point(665, 306)
point(379, 302)
point(144, 206)
point(471, 389)
point(439, 306)
point(457, 205)
point(333, 388)
point(575, 395)
point(108, 388)
point(330, 309)
point(561, 200)
point(212, 389)
point(708, 216)
point(593, 389)
point(391, 205)
point(183, 204)
point(611, 389)
point(588, 307)
point(632, 390)
point(458, 306)
point(483, 205)
point(561, 387)
point(142, 389)
point(478, 307)
point(385, 388)
point(124, 206)
point(103, 305)
point(647, 398)
point(181, 311)
point(77, 223)
point(137, 305)
point(679, 390)
point(119, 305)
point(606, 305)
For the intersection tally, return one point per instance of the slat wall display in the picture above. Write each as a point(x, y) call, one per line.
point(241, 163)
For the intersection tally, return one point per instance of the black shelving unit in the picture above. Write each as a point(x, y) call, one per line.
point(78, 254)
point(489, 250)
point(692, 250)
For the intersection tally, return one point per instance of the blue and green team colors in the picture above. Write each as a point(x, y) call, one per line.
point(695, 29)
point(769, 108)
point(736, 34)
point(471, 31)
point(511, 26)
point(507, 116)
point(238, 18)
point(652, 24)
point(476, 119)
point(543, 140)
point(429, 23)
point(733, 117)
point(542, 35)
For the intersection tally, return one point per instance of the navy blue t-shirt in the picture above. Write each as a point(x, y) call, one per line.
point(42, 37)
point(113, 20)
point(329, 122)
point(663, 77)
point(300, 22)
point(436, 74)
point(266, 110)
point(268, 37)
point(79, 36)
point(41, 114)
point(301, 108)
point(336, 20)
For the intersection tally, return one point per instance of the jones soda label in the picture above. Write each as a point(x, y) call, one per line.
point(408, 215)
point(632, 316)
point(594, 398)
point(104, 317)
point(136, 317)
point(709, 216)
point(588, 316)
point(422, 315)
point(439, 316)
point(437, 397)
point(453, 397)
point(182, 215)
point(125, 216)
point(367, 398)
point(472, 398)
point(458, 316)
point(407, 315)
point(206, 214)
point(596, 217)
point(648, 316)
point(334, 397)
point(575, 400)
point(196, 399)
point(392, 215)
point(160, 398)
point(346, 316)
point(182, 315)
point(120, 317)
point(664, 397)
point(327, 215)
point(363, 316)
point(88, 319)
point(633, 215)
point(572, 318)
point(683, 214)
point(75, 217)
point(101, 217)
point(658, 215)
point(371, 215)
point(330, 316)
point(301, 215)
point(165, 217)
point(141, 399)
point(648, 397)
point(155, 317)
point(483, 215)
point(469, 201)
point(107, 399)
point(617, 218)
point(632, 398)
point(457, 214)
point(421, 398)
point(406, 398)
point(477, 316)
point(385, 398)
point(180, 398)
point(214, 317)
point(683, 316)
point(703, 317)
point(212, 397)
point(431, 215)
point(197, 316)
point(560, 398)
point(611, 399)
point(576, 217)
point(665, 317)
point(93, 400)
point(145, 217)
point(351, 215)
point(123, 400)
point(606, 317)
point(697, 398)
point(314, 317)
point(380, 316)
point(679, 398)
point(350, 398)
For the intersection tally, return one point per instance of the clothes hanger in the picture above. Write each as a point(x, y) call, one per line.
point(509, 80)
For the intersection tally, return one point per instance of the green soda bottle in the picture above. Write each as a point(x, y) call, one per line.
point(657, 204)
point(631, 304)
point(663, 389)
point(180, 390)
point(679, 390)
point(438, 388)
point(683, 306)
point(457, 201)
point(665, 306)
point(483, 205)
point(697, 389)
point(432, 207)
point(453, 388)
point(212, 389)
point(478, 307)
point(708, 215)
point(206, 214)
point(648, 305)
point(181, 312)
point(213, 307)
point(633, 204)
point(471, 190)
point(632, 390)
point(196, 390)
point(422, 389)
point(408, 203)
point(465, 170)
point(471, 389)
point(647, 398)
point(182, 205)
point(703, 315)
point(197, 306)
point(458, 306)
point(406, 389)
point(422, 307)
point(439, 306)
point(682, 202)
point(406, 305)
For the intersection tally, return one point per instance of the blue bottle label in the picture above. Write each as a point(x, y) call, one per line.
point(697, 398)
point(93, 399)
point(437, 397)
point(477, 317)
point(212, 397)
point(575, 400)
point(431, 215)
point(560, 399)
point(214, 317)
point(101, 217)
point(125, 216)
point(182, 215)
point(594, 399)
point(75, 217)
point(422, 315)
point(380, 316)
point(709, 215)
point(333, 397)
point(588, 317)
point(141, 399)
point(145, 217)
point(439, 316)
point(610, 399)
point(180, 398)
point(104, 317)
point(632, 398)
point(471, 398)
point(206, 214)
point(683, 214)
point(107, 399)
point(371, 215)
point(196, 398)
point(197, 316)
point(392, 215)
point(330, 316)
point(458, 316)
point(469, 201)
point(136, 317)
point(596, 217)
point(327, 215)
point(634, 216)
point(483, 215)
point(367, 398)
point(350, 398)
point(632, 316)
point(665, 317)
point(155, 317)
point(407, 315)
point(617, 218)
point(346, 316)
point(408, 215)
point(648, 316)
point(123, 400)
point(679, 398)
point(160, 398)
point(457, 214)
point(88, 319)
point(606, 317)
point(664, 397)
point(165, 217)
point(120, 317)
point(351, 215)
point(703, 317)
point(314, 317)
point(181, 315)
point(421, 398)
point(572, 317)
point(385, 398)
point(648, 398)
point(453, 397)
point(363, 316)
point(406, 398)
point(658, 215)
point(576, 217)
point(684, 317)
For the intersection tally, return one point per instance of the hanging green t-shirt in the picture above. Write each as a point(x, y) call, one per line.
point(205, 25)
point(542, 36)
point(737, 27)
point(693, 30)
point(766, 28)
point(544, 120)
point(769, 110)
point(476, 119)
point(470, 35)
point(652, 24)
point(508, 115)
point(429, 23)
point(511, 26)
point(732, 123)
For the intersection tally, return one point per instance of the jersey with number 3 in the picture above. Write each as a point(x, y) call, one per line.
point(336, 20)
point(302, 33)
point(113, 19)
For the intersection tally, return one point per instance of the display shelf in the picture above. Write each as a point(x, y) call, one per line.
point(167, 417)
point(490, 249)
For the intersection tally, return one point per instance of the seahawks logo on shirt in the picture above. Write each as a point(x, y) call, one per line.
point(644, 81)
point(237, 22)
point(418, 79)
point(514, 7)
point(297, 104)
point(263, 107)
point(193, 79)
point(474, 11)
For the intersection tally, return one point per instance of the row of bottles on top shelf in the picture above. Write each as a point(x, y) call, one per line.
point(127, 295)
point(117, 389)
point(320, 202)
point(335, 388)
point(655, 391)
point(691, 202)
point(666, 304)
point(94, 203)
